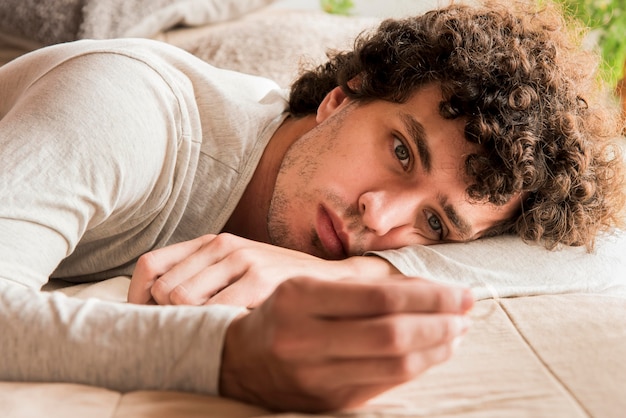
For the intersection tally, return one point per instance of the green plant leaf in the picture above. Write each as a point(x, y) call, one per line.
point(608, 17)
point(339, 7)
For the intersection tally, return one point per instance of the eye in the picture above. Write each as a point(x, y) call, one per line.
point(435, 224)
point(402, 152)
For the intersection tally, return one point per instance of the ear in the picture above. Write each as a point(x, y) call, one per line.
point(332, 102)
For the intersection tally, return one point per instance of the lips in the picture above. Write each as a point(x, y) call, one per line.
point(330, 234)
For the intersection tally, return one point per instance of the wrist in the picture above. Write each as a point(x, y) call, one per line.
point(229, 376)
point(369, 267)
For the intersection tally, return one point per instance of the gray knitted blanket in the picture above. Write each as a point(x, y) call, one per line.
point(47, 22)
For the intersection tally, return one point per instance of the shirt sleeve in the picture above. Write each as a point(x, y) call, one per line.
point(70, 166)
point(53, 338)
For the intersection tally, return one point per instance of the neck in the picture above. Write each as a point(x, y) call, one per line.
point(249, 219)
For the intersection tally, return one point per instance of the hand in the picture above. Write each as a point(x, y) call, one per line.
point(318, 345)
point(231, 270)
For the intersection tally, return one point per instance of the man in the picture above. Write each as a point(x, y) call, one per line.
point(463, 123)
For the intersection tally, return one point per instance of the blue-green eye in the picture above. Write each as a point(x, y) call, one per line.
point(402, 152)
point(435, 224)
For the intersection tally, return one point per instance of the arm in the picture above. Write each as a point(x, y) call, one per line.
point(52, 338)
point(313, 344)
point(69, 132)
point(227, 269)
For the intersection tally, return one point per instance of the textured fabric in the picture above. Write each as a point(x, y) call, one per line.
point(54, 21)
point(252, 45)
point(157, 165)
point(507, 267)
point(549, 356)
point(44, 22)
point(141, 18)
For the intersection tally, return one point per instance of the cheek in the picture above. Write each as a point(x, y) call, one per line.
point(334, 171)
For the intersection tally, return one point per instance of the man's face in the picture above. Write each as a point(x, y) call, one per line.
point(377, 176)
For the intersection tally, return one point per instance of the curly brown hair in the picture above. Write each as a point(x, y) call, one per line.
point(530, 96)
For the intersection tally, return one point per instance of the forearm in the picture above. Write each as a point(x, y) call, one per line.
point(53, 338)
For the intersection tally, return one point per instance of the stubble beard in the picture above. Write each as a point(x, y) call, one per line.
point(279, 231)
point(277, 228)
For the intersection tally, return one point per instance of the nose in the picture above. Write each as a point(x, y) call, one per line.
point(381, 212)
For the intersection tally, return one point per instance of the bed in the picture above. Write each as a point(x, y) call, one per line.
point(549, 332)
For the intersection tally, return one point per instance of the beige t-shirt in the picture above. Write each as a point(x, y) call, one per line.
point(110, 149)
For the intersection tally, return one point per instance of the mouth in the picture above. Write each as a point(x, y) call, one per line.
point(329, 231)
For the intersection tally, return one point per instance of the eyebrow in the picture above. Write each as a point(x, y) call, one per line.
point(462, 226)
point(418, 135)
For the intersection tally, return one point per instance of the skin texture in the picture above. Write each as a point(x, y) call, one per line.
point(358, 181)
point(328, 189)
point(329, 345)
point(325, 204)
point(227, 269)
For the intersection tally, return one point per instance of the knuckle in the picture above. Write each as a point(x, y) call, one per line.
point(241, 257)
point(180, 296)
point(384, 299)
point(286, 291)
point(446, 300)
point(160, 291)
point(286, 300)
point(146, 263)
point(393, 337)
point(207, 238)
point(223, 240)
point(440, 300)
point(404, 368)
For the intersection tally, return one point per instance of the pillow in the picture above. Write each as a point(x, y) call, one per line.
point(53, 21)
point(504, 266)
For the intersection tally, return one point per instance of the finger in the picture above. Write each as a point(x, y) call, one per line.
point(378, 371)
point(385, 336)
point(197, 283)
point(238, 267)
point(199, 288)
point(357, 299)
point(393, 335)
point(155, 263)
point(141, 281)
point(195, 278)
point(247, 296)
